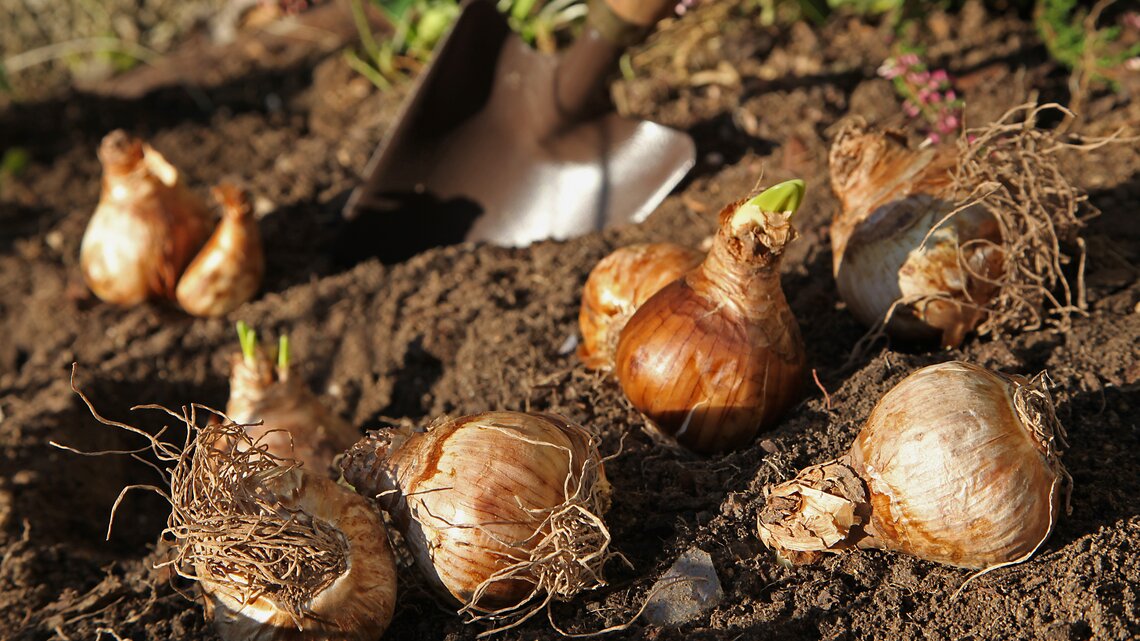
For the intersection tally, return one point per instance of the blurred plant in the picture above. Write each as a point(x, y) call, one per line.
point(866, 7)
point(92, 57)
point(541, 23)
point(420, 24)
point(898, 13)
point(13, 162)
point(788, 11)
point(926, 94)
point(1071, 35)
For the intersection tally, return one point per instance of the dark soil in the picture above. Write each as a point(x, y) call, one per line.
point(469, 327)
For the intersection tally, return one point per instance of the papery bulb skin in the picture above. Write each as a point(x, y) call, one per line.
point(481, 500)
point(295, 423)
point(619, 284)
point(146, 228)
point(954, 473)
point(228, 270)
point(356, 606)
point(956, 465)
point(891, 198)
point(716, 356)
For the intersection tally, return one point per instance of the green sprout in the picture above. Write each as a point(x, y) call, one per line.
point(282, 356)
point(248, 339)
point(785, 196)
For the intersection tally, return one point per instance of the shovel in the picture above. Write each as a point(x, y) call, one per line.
point(500, 143)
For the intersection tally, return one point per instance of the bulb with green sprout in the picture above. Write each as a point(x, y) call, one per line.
point(716, 356)
point(294, 422)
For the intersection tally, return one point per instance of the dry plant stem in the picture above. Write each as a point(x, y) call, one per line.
point(980, 510)
point(502, 511)
point(282, 553)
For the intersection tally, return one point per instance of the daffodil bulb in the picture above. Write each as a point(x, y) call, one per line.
point(502, 511)
point(898, 245)
point(956, 464)
point(147, 226)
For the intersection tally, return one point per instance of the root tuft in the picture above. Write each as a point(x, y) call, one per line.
point(225, 524)
point(1012, 168)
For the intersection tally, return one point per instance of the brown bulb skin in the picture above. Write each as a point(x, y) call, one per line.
point(619, 284)
point(146, 228)
point(472, 497)
point(717, 356)
point(228, 270)
point(295, 424)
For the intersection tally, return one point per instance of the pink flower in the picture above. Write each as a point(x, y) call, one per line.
point(933, 138)
point(951, 96)
point(890, 69)
point(939, 76)
point(951, 122)
point(908, 59)
point(683, 6)
point(910, 109)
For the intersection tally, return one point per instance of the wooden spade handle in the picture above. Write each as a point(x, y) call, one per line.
point(643, 13)
point(612, 25)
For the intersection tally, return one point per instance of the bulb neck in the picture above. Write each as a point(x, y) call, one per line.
point(369, 466)
point(120, 154)
point(741, 271)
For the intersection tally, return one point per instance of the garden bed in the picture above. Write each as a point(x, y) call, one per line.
point(468, 328)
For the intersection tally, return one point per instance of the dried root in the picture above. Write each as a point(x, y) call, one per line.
point(567, 551)
point(226, 525)
point(1011, 167)
point(1019, 278)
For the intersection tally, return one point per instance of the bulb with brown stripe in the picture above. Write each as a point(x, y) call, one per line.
point(501, 510)
point(617, 286)
point(716, 356)
point(228, 270)
point(956, 464)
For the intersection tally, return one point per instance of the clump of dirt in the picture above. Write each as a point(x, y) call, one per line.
point(469, 328)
